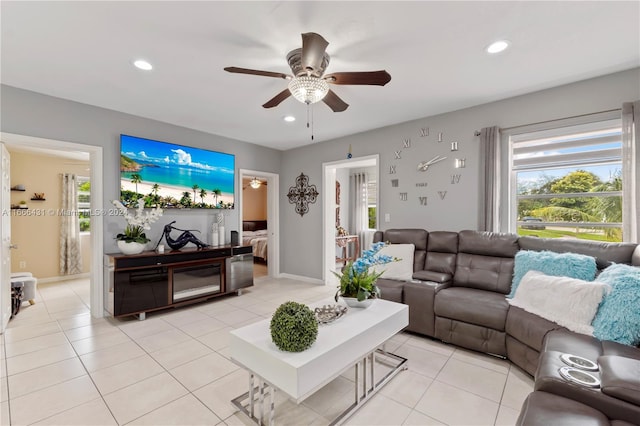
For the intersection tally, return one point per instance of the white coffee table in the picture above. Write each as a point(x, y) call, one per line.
point(354, 339)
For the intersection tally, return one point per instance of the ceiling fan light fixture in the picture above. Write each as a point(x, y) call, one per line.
point(308, 89)
point(255, 183)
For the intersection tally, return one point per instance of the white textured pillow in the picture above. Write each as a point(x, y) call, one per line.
point(401, 270)
point(569, 302)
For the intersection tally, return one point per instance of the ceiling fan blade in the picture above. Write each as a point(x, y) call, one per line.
point(256, 72)
point(373, 78)
point(277, 99)
point(313, 48)
point(334, 102)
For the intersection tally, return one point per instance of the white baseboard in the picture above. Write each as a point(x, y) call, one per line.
point(64, 278)
point(302, 278)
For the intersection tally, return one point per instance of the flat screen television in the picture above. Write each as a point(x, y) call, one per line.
point(174, 176)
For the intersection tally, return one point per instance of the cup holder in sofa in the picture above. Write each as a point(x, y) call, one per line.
point(579, 362)
point(580, 377)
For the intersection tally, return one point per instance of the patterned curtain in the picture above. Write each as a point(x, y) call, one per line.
point(359, 213)
point(489, 191)
point(70, 256)
point(630, 164)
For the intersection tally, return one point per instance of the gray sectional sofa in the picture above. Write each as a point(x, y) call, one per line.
point(458, 295)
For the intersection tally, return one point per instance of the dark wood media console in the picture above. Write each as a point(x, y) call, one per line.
point(137, 284)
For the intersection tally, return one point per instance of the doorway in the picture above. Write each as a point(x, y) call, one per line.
point(330, 216)
point(94, 156)
point(259, 218)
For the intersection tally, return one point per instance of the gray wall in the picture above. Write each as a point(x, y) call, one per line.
point(301, 238)
point(33, 114)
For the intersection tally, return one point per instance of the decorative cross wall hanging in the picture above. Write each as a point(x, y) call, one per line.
point(302, 194)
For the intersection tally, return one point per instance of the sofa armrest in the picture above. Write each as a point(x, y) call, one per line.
point(420, 296)
point(433, 276)
point(620, 377)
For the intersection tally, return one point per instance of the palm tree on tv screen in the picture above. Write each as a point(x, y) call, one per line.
point(195, 187)
point(216, 192)
point(136, 179)
point(203, 193)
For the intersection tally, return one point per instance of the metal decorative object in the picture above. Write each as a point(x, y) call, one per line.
point(423, 166)
point(329, 313)
point(302, 194)
point(185, 238)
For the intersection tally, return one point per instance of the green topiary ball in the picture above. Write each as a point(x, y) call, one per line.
point(293, 327)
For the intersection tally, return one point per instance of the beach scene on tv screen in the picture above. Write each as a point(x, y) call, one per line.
point(174, 176)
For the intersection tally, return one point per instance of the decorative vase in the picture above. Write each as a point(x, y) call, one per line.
point(353, 302)
point(130, 247)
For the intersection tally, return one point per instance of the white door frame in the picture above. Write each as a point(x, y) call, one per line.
point(273, 216)
point(96, 220)
point(329, 209)
point(6, 304)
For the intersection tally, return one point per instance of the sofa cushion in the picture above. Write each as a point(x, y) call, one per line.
point(618, 316)
point(605, 253)
point(417, 237)
point(543, 409)
point(570, 302)
point(558, 264)
point(479, 307)
point(443, 242)
point(620, 377)
point(440, 262)
point(391, 290)
point(400, 269)
point(488, 243)
point(528, 328)
point(483, 272)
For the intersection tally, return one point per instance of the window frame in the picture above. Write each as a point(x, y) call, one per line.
point(80, 181)
point(509, 210)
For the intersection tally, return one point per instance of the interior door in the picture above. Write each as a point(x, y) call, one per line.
point(5, 237)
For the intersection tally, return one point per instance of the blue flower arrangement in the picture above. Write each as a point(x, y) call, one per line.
point(356, 280)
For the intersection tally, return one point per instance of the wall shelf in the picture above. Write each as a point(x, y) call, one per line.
point(38, 199)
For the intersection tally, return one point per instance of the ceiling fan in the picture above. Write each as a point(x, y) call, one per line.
point(255, 183)
point(308, 84)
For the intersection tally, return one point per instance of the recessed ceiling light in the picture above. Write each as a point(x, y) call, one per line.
point(143, 65)
point(289, 118)
point(498, 46)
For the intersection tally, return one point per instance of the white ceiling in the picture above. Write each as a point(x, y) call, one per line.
point(434, 52)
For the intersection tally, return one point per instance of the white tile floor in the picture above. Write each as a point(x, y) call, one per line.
point(59, 366)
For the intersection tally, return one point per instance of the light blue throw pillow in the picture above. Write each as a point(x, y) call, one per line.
point(618, 316)
point(570, 265)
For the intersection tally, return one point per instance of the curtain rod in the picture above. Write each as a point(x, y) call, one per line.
point(477, 132)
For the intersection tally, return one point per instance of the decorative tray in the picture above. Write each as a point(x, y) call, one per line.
point(579, 362)
point(329, 313)
point(579, 376)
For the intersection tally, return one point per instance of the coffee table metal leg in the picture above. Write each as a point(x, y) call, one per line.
point(272, 408)
point(398, 364)
point(251, 403)
point(365, 390)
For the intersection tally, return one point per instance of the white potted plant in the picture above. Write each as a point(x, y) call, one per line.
point(134, 239)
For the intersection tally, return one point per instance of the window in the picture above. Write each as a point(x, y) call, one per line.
point(372, 202)
point(567, 182)
point(84, 203)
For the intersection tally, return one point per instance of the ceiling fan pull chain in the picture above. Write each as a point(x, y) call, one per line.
point(310, 118)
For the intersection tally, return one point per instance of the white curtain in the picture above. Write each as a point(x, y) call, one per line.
point(359, 217)
point(70, 255)
point(630, 164)
point(489, 190)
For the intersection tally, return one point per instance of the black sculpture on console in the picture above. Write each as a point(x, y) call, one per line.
point(185, 238)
